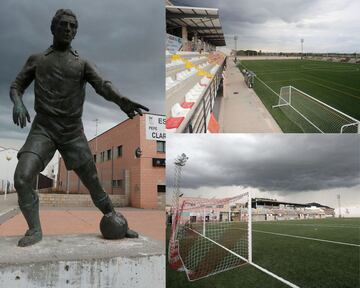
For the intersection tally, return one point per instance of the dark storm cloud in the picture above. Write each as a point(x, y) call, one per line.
point(124, 39)
point(268, 162)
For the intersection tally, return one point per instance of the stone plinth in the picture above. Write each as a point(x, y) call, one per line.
point(82, 261)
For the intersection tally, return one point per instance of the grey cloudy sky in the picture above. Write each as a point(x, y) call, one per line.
point(268, 25)
point(298, 167)
point(124, 39)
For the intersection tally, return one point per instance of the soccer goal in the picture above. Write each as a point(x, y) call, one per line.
point(211, 235)
point(313, 115)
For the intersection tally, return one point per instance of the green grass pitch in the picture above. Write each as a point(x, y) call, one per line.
point(336, 84)
point(304, 262)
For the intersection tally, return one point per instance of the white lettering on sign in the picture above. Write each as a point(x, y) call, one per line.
point(155, 127)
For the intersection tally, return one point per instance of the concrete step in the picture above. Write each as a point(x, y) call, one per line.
point(82, 261)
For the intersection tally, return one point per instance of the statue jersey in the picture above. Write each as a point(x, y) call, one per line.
point(60, 80)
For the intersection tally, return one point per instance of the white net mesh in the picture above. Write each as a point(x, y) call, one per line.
point(312, 115)
point(212, 235)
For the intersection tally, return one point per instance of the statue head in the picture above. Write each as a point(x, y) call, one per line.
point(64, 26)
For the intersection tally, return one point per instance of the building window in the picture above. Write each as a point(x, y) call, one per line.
point(108, 154)
point(160, 146)
point(95, 158)
point(161, 188)
point(159, 162)
point(116, 183)
point(102, 156)
point(119, 151)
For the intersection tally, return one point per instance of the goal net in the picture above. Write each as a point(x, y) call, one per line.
point(210, 236)
point(313, 115)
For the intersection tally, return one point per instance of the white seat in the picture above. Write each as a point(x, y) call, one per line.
point(178, 111)
point(204, 81)
point(192, 96)
point(169, 83)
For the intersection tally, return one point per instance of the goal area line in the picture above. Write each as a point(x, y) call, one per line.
point(308, 238)
point(303, 237)
point(245, 260)
point(310, 225)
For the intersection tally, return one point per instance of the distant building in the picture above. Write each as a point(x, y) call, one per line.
point(130, 159)
point(262, 209)
point(271, 209)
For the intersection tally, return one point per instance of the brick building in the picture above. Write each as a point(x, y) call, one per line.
point(130, 158)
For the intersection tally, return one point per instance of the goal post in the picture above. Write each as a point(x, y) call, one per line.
point(313, 115)
point(213, 235)
point(284, 97)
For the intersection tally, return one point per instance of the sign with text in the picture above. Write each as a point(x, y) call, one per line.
point(155, 127)
point(173, 43)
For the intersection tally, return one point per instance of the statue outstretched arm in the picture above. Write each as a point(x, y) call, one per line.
point(110, 93)
point(17, 88)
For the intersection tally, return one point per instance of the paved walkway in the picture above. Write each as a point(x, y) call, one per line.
point(8, 207)
point(150, 223)
point(9, 203)
point(241, 110)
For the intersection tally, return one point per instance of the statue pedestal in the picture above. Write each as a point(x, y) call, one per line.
point(82, 261)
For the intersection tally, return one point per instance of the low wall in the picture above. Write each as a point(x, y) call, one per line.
point(82, 261)
point(77, 200)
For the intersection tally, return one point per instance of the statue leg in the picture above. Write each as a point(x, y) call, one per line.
point(28, 167)
point(88, 176)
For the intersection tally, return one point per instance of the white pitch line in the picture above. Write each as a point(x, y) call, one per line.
point(308, 238)
point(313, 225)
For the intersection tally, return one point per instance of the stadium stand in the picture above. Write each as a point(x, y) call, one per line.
point(269, 209)
point(193, 68)
point(188, 83)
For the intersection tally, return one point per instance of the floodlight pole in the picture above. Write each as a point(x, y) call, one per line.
point(8, 158)
point(180, 162)
point(96, 132)
point(302, 48)
point(235, 39)
point(339, 201)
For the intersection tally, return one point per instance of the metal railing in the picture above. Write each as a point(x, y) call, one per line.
point(198, 117)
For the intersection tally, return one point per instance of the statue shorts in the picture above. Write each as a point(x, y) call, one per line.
point(49, 134)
